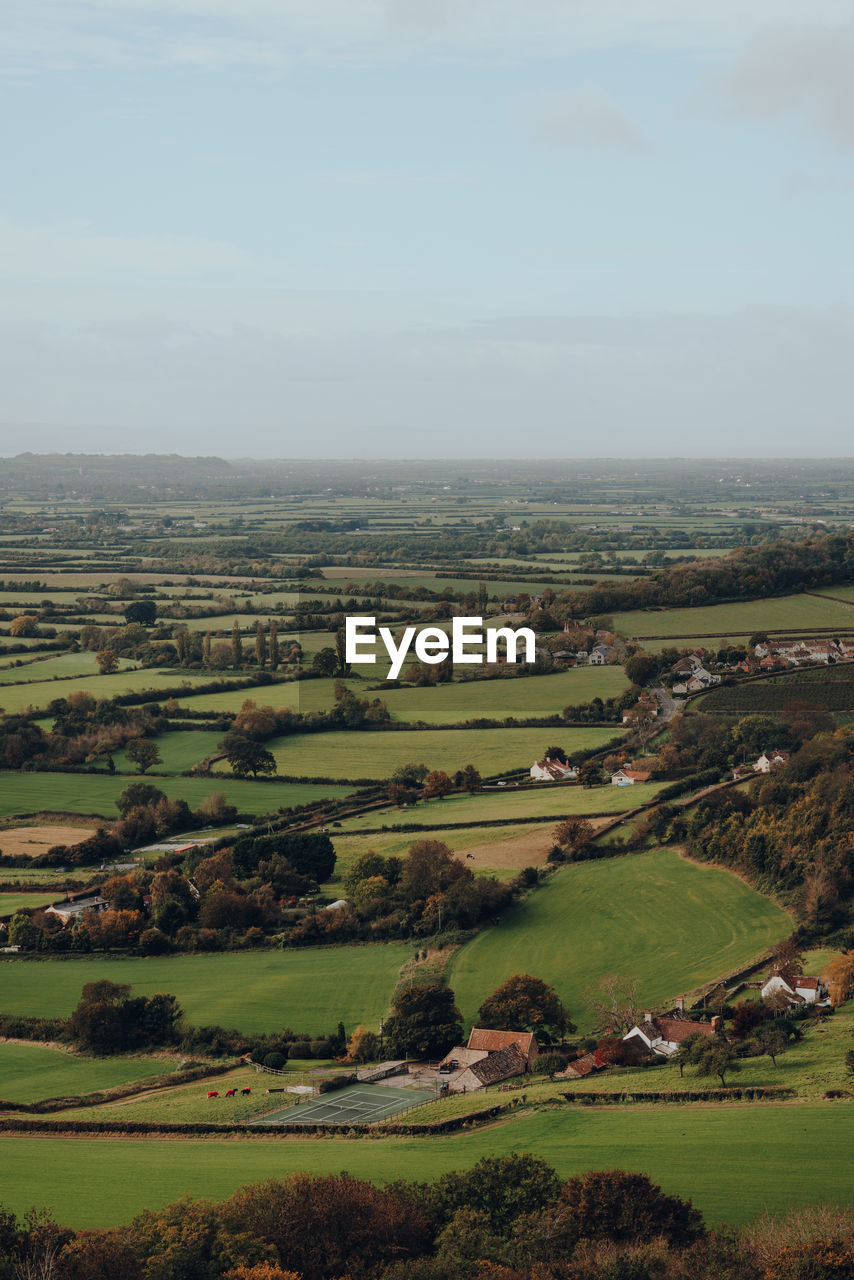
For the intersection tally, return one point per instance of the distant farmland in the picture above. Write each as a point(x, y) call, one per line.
point(828, 687)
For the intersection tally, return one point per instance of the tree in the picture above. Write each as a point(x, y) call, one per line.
point(325, 662)
point(839, 977)
point(260, 646)
point(573, 834)
point(246, 756)
point(142, 611)
point(143, 752)
point(523, 1003)
point(26, 624)
point(342, 666)
point(501, 1188)
point(22, 932)
point(275, 652)
point(139, 795)
point(437, 784)
point(640, 667)
point(615, 1003)
point(641, 719)
point(108, 661)
point(772, 1040)
point(206, 650)
point(236, 645)
point(686, 1054)
point(410, 775)
point(614, 1205)
point(471, 779)
point(424, 1023)
point(363, 1046)
point(717, 1058)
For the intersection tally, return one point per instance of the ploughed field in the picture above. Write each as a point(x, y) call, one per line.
point(654, 916)
point(734, 1162)
point(308, 990)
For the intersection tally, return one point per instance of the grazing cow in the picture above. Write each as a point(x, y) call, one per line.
point(213, 1094)
point(229, 1093)
point(245, 1090)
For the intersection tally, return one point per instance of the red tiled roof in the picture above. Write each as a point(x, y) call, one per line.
point(676, 1030)
point(492, 1041)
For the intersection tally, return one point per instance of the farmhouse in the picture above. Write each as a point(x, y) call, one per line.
point(598, 657)
point(664, 1034)
point(797, 988)
point(771, 760)
point(626, 777)
point(552, 771)
point(73, 908)
point(584, 1066)
point(484, 1039)
point(490, 1069)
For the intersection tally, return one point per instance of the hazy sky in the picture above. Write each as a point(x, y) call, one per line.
point(308, 228)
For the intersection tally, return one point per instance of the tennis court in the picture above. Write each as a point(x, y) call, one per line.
point(357, 1104)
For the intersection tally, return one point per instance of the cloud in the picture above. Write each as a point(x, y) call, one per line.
point(802, 69)
point(582, 117)
point(272, 33)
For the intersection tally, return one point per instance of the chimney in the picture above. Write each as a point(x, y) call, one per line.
point(680, 1003)
point(647, 1017)
point(716, 1025)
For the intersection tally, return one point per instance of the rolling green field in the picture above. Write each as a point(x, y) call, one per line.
point(828, 687)
point(548, 800)
point(179, 750)
point(307, 990)
point(376, 754)
point(66, 664)
point(655, 916)
point(30, 1073)
point(743, 617)
point(12, 902)
point(521, 697)
point(92, 1182)
point(95, 793)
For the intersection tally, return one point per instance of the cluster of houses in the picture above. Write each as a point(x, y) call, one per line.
point(690, 676)
point(771, 655)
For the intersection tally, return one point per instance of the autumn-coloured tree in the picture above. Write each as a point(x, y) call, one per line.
point(573, 834)
point(524, 1003)
point(437, 784)
point(107, 660)
point(839, 977)
point(363, 1045)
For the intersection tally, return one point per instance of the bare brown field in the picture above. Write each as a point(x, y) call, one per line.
point(31, 841)
point(530, 849)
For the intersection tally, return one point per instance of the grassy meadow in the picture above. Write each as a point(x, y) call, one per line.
point(519, 696)
point(95, 793)
point(12, 902)
point(742, 617)
point(767, 1158)
point(307, 990)
point(654, 916)
point(32, 1072)
point(377, 753)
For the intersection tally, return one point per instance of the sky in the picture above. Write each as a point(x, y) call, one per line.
point(427, 228)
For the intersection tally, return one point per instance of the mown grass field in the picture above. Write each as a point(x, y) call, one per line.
point(30, 1073)
point(497, 850)
point(377, 753)
point(654, 916)
point(547, 800)
point(828, 687)
point(307, 990)
point(742, 617)
point(95, 793)
point(179, 751)
point(521, 697)
point(65, 664)
point(12, 902)
point(765, 1158)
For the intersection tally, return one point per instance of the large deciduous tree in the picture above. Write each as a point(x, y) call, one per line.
point(525, 1003)
point(425, 1023)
